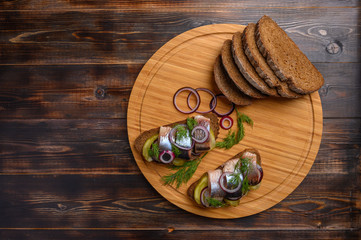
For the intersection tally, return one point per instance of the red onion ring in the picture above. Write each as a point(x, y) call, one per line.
point(225, 119)
point(235, 198)
point(213, 105)
point(173, 141)
point(214, 99)
point(192, 91)
point(170, 153)
point(222, 183)
point(202, 128)
point(204, 195)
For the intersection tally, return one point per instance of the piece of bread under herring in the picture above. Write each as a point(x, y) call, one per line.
point(190, 191)
point(144, 136)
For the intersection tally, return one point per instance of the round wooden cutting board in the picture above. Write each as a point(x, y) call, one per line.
point(287, 132)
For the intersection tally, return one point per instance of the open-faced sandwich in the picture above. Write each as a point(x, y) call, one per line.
point(227, 184)
point(179, 142)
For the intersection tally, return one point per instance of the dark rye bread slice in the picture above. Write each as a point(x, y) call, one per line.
point(190, 191)
point(227, 87)
point(247, 69)
point(234, 73)
point(286, 59)
point(260, 64)
point(144, 136)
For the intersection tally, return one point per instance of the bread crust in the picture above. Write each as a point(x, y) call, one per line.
point(144, 136)
point(234, 73)
point(287, 61)
point(227, 87)
point(260, 64)
point(247, 69)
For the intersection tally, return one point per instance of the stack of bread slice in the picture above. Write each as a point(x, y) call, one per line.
point(263, 61)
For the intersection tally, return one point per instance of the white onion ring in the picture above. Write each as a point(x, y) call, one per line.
point(213, 105)
point(214, 99)
point(192, 91)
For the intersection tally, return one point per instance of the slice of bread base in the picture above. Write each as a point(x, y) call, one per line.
point(144, 136)
point(234, 73)
point(227, 87)
point(247, 69)
point(190, 191)
point(260, 64)
point(285, 58)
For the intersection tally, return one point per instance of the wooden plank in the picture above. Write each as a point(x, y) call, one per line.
point(172, 233)
point(170, 5)
point(340, 97)
point(56, 146)
point(132, 37)
point(69, 91)
point(61, 146)
point(123, 202)
point(95, 91)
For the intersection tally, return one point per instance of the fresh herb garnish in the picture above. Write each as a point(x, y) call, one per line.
point(235, 179)
point(245, 186)
point(183, 173)
point(243, 167)
point(228, 141)
point(182, 132)
point(233, 137)
point(215, 202)
point(245, 118)
point(191, 123)
point(175, 150)
point(154, 150)
point(237, 167)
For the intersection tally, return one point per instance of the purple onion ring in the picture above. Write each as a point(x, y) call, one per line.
point(172, 134)
point(214, 99)
point(213, 105)
point(192, 91)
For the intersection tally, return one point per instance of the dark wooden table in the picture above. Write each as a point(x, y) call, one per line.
point(67, 69)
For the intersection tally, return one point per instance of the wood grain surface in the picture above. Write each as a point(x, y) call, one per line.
point(67, 69)
point(286, 132)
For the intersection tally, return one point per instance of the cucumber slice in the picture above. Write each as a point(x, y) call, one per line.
point(233, 203)
point(178, 162)
point(147, 146)
point(255, 186)
point(203, 182)
point(212, 139)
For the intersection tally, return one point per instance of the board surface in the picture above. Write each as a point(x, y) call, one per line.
point(287, 132)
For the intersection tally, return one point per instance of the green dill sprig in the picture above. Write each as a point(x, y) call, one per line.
point(244, 170)
point(154, 150)
point(215, 202)
point(245, 118)
point(183, 173)
point(244, 166)
point(191, 123)
point(236, 179)
point(228, 141)
point(182, 132)
point(245, 186)
point(175, 150)
point(233, 137)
